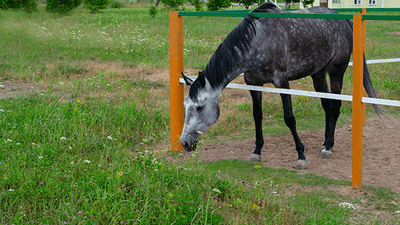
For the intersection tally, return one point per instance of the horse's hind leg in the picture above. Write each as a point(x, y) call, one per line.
point(257, 115)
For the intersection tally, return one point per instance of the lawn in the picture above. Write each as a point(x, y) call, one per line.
point(88, 147)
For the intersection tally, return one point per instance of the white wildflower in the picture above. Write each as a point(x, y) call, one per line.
point(217, 190)
point(347, 205)
point(70, 147)
point(18, 143)
point(1, 110)
point(63, 138)
point(109, 137)
point(71, 163)
point(10, 189)
point(33, 144)
point(1, 86)
point(9, 140)
point(87, 161)
point(40, 157)
point(397, 212)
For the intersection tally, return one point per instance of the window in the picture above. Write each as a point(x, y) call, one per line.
point(357, 2)
point(336, 1)
point(372, 2)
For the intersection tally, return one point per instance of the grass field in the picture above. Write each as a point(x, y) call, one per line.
point(84, 149)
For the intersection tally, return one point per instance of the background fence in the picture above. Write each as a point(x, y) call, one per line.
point(358, 101)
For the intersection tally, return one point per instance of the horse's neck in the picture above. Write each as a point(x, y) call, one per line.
point(226, 78)
point(231, 76)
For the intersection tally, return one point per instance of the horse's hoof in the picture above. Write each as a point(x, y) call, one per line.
point(302, 164)
point(326, 154)
point(255, 158)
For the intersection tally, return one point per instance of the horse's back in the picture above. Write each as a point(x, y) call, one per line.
point(300, 47)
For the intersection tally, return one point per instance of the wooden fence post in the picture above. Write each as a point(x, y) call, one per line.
point(357, 135)
point(176, 88)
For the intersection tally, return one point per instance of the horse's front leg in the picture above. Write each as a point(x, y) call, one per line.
point(290, 121)
point(257, 115)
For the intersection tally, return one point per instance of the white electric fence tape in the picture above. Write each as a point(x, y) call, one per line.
point(375, 61)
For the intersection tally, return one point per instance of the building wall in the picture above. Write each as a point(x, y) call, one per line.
point(365, 4)
point(391, 3)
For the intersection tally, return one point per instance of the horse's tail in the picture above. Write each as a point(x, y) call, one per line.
point(367, 82)
point(369, 88)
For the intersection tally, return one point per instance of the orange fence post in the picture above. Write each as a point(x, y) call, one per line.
point(176, 88)
point(357, 135)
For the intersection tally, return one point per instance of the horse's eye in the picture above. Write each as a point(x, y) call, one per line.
point(199, 108)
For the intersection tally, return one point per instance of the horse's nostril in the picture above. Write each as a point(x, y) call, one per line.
point(186, 145)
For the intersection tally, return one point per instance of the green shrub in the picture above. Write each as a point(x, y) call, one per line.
point(248, 3)
point(218, 4)
point(197, 4)
point(27, 5)
point(117, 4)
point(62, 6)
point(95, 5)
point(174, 4)
point(307, 3)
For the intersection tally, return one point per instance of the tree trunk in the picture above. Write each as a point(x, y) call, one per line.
point(286, 4)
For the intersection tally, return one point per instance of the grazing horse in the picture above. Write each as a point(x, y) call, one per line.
point(274, 50)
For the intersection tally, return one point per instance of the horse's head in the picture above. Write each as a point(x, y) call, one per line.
point(202, 110)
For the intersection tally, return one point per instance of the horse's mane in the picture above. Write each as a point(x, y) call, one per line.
point(228, 53)
point(227, 56)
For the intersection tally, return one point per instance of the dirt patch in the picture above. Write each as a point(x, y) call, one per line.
point(381, 156)
point(396, 33)
point(9, 89)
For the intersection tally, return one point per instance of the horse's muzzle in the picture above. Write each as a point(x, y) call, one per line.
point(189, 147)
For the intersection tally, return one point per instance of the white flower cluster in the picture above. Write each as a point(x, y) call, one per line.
point(347, 205)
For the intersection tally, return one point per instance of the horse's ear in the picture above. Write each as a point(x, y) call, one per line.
point(187, 80)
point(202, 79)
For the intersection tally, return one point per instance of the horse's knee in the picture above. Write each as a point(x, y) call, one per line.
point(290, 121)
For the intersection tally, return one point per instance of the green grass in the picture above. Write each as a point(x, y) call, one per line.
point(84, 149)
